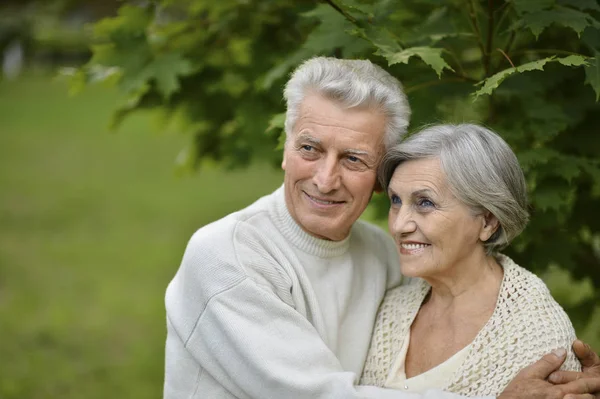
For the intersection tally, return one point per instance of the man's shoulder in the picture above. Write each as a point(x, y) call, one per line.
point(224, 229)
point(369, 231)
point(372, 237)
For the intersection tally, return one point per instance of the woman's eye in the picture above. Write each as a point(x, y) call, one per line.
point(426, 203)
point(395, 200)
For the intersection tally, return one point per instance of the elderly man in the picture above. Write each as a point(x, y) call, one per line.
point(279, 299)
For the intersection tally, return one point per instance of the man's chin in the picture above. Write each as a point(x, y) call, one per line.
point(319, 228)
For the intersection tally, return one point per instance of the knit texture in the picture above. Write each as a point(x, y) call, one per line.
point(526, 324)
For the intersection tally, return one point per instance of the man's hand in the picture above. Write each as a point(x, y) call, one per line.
point(590, 362)
point(531, 382)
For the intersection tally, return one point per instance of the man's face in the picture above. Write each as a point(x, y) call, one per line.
point(330, 163)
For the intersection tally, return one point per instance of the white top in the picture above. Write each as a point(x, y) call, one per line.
point(260, 309)
point(526, 324)
point(437, 377)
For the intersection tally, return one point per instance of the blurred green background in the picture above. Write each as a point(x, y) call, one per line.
point(93, 222)
point(92, 228)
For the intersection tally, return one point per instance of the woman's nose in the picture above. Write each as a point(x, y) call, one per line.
point(402, 221)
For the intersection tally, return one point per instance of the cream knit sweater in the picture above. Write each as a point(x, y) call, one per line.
point(526, 324)
point(260, 309)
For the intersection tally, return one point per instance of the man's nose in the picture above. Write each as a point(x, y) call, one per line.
point(327, 177)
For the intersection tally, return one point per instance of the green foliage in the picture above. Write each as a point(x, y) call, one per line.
point(491, 83)
point(528, 69)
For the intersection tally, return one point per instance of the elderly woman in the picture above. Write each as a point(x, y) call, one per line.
point(471, 318)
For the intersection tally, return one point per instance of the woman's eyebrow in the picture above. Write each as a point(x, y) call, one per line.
point(423, 192)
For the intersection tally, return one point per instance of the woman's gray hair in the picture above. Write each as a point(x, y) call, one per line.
point(482, 171)
point(353, 83)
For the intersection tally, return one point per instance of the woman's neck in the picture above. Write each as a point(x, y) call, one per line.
point(476, 279)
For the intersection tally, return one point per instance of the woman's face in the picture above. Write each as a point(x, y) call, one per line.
point(434, 232)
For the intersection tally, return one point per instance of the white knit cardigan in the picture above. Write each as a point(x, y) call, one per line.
point(526, 324)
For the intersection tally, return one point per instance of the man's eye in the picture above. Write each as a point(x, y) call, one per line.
point(353, 159)
point(395, 200)
point(307, 147)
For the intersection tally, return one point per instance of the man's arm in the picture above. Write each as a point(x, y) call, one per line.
point(256, 347)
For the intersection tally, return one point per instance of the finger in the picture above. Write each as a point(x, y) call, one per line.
point(584, 396)
point(563, 377)
point(546, 365)
point(586, 356)
point(582, 386)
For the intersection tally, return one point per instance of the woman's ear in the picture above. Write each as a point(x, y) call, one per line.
point(489, 226)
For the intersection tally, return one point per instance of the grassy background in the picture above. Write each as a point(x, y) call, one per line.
point(92, 228)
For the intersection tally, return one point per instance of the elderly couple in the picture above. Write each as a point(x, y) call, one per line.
point(294, 297)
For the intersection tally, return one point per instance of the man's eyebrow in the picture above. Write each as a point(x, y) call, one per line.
point(307, 137)
point(369, 157)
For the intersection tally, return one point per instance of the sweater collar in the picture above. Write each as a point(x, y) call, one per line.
point(299, 238)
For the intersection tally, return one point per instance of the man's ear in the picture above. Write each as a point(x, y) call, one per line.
point(377, 188)
point(284, 157)
point(489, 225)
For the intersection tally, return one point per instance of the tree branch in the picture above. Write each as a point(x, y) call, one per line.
point(475, 25)
point(506, 56)
point(548, 51)
point(490, 38)
point(339, 9)
point(431, 83)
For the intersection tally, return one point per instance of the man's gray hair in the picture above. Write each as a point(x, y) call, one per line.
point(352, 83)
point(481, 169)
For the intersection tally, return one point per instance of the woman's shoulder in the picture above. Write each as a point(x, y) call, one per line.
point(523, 293)
point(526, 324)
point(411, 290)
point(522, 287)
point(529, 314)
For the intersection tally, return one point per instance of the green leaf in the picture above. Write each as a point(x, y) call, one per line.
point(567, 167)
point(381, 38)
point(492, 83)
point(573, 60)
point(130, 21)
point(529, 6)
point(555, 195)
point(581, 4)
point(564, 16)
point(276, 122)
point(280, 69)
point(531, 158)
point(332, 33)
point(430, 55)
point(166, 70)
point(592, 74)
